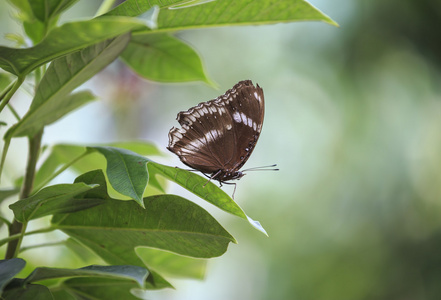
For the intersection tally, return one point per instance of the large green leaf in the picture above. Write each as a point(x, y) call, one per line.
point(65, 74)
point(244, 12)
point(68, 38)
point(58, 198)
point(136, 273)
point(205, 189)
point(126, 171)
point(113, 230)
point(163, 58)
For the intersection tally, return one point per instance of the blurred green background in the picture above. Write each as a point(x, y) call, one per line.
point(353, 120)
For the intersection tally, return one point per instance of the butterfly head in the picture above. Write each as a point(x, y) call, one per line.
point(223, 176)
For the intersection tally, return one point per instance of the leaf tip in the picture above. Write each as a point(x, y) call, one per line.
point(257, 225)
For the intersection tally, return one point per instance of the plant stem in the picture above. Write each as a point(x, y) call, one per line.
point(17, 227)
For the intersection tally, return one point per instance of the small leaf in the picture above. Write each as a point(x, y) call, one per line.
point(163, 58)
point(126, 171)
point(51, 100)
point(58, 198)
point(113, 230)
point(8, 269)
point(203, 188)
point(136, 273)
point(68, 38)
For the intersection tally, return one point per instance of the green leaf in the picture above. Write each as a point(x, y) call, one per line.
point(45, 10)
point(133, 8)
point(68, 38)
point(24, 8)
point(136, 273)
point(94, 178)
point(100, 288)
point(58, 198)
point(49, 112)
point(5, 84)
point(245, 12)
point(163, 58)
point(113, 230)
point(16, 290)
point(8, 269)
point(64, 154)
point(172, 264)
point(205, 189)
point(126, 171)
point(6, 193)
point(63, 76)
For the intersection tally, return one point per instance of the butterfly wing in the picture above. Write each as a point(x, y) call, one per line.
point(220, 134)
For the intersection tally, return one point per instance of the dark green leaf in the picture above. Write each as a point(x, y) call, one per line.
point(163, 58)
point(58, 198)
point(126, 171)
point(68, 38)
point(16, 290)
point(93, 178)
point(113, 230)
point(245, 12)
point(8, 269)
point(136, 273)
point(51, 100)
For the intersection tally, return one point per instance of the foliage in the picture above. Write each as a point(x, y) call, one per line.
point(139, 238)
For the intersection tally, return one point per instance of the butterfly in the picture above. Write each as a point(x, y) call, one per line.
point(218, 136)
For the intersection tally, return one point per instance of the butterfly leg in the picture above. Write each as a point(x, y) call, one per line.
point(232, 183)
point(212, 176)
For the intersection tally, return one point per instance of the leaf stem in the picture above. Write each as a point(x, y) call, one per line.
point(17, 227)
point(42, 245)
point(61, 170)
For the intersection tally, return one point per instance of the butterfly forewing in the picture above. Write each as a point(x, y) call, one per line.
point(218, 136)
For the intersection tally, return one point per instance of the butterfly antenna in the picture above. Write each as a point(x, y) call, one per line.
point(263, 168)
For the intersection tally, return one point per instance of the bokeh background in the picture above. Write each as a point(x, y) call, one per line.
point(353, 120)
